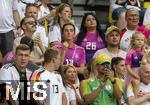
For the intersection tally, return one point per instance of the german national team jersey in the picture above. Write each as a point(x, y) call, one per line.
point(125, 39)
point(134, 58)
point(9, 74)
point(74, 55)
point(91, 43)
point(54, 86)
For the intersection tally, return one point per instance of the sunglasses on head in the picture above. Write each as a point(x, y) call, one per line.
point(31, 23)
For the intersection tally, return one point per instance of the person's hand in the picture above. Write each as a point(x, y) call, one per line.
point(18, 32)
point(109, 74)
point(65, 45)
point(140, 93)
point(147, 95)
point(37, 41)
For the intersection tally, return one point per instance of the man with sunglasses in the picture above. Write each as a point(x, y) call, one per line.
point(28, 25)
point(32, 10)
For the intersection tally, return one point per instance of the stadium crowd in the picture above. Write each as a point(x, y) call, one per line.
point(48, 60)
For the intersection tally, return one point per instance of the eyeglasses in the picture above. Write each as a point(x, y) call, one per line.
point(31, 23)
point(133, 16)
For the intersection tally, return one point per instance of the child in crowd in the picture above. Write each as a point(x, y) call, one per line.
point(146, 31)
point(133, 59)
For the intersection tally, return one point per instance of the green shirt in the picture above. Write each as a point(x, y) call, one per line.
point(106, 95)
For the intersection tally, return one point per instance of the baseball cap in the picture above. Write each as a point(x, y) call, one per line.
point(103, 58)
point(112, 28)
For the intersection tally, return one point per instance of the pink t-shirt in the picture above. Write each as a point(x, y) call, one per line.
point(134, 58)
point(74, 55)
point(8, 57)
point(91, 43)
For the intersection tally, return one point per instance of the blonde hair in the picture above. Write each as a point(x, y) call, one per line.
point(59, 9)
point(66, 67)
point(134, 36)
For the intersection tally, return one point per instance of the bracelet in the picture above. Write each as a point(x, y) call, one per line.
point(114, 81)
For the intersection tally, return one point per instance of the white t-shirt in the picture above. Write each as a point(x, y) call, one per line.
point(10, 76)
point(55, 33)
point(114, 5)
point(36, 52)
point(121, 53)
point(71, 94)
point(55, 87)
point(21, 9)
point(125, 40)
point(6, 15)
point(40, 30)
point(147, 17)
point(143, 88)
point(44, 11)
point(9, 72)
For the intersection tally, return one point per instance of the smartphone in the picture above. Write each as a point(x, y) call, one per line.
point(107, 67)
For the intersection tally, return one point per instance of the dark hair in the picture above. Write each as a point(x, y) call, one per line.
point(28, 41)
point(23, 47)
point(115, 61)
point(50, 54)
point(30, 5)
point(67, 24)
point(83, 29)
point(23, 21)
